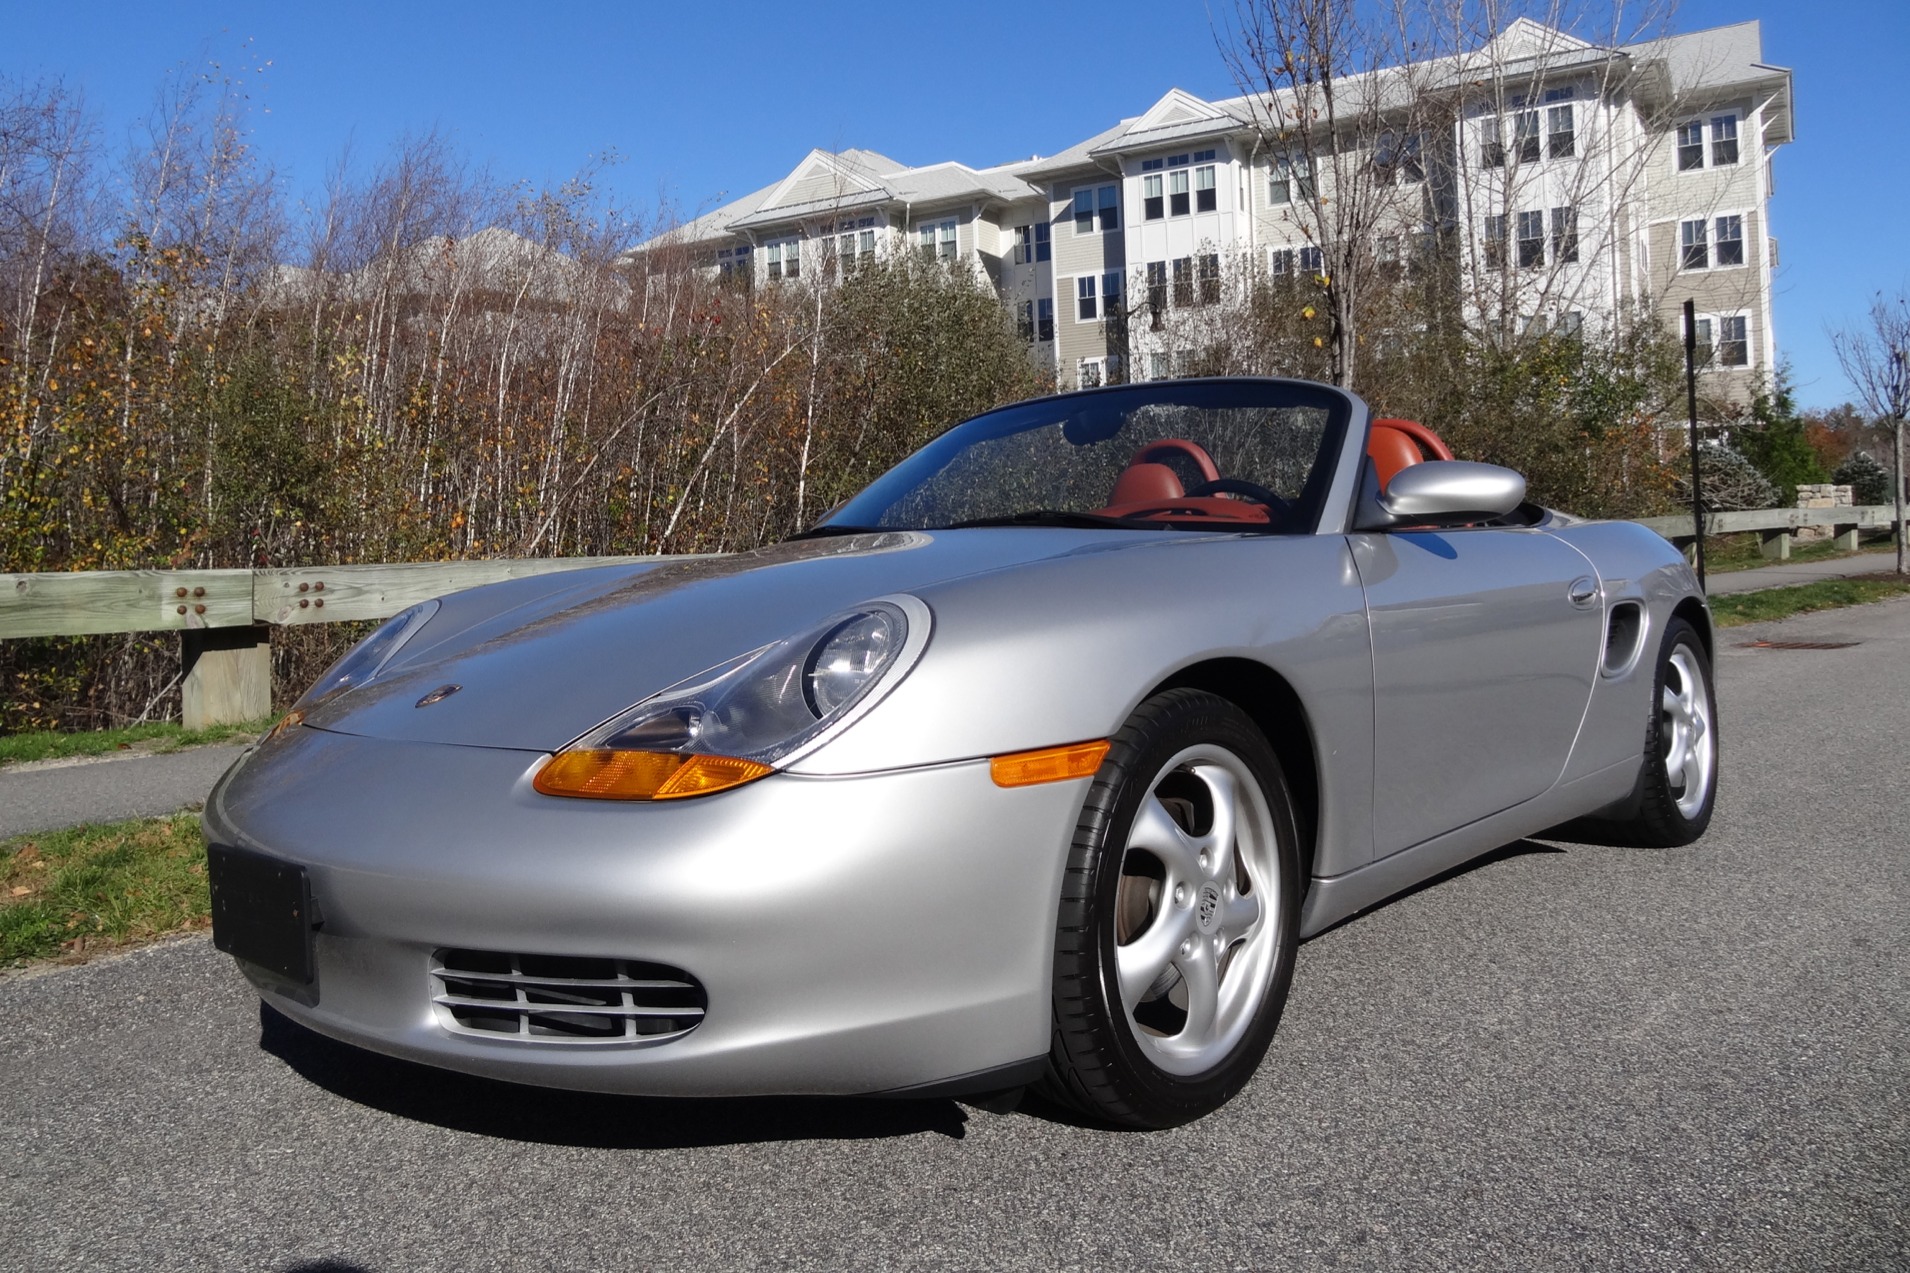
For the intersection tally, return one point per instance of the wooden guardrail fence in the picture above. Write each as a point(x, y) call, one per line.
point(225, 617)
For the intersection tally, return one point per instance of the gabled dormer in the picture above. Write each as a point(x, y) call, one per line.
point(1177, 117)
point(822, 178)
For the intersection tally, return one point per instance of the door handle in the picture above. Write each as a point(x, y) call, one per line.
point(1583, 592)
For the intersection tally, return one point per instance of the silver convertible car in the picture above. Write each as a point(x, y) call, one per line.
point(1029, 766)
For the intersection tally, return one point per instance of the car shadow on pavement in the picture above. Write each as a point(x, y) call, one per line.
point(550, 1116)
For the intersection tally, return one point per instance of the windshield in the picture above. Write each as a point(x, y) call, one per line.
point(1191, 454)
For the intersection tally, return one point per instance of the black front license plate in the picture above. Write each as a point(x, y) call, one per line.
point(261, 911)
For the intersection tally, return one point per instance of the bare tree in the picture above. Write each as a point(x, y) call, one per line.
point(1502, 143)
point(1875, 356)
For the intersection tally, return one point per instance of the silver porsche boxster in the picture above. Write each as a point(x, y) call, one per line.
point(1029, 765)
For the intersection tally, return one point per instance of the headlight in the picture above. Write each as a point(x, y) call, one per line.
point(365, 660)
point(747, 717)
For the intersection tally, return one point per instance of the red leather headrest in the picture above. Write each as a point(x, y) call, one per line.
point(1392, 451)
point(1145, 483)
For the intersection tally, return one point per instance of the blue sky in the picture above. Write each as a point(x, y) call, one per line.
point(711, 101)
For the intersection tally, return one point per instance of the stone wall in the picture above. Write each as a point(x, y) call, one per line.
point(1820, 495)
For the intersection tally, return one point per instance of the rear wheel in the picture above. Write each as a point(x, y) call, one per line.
point(1678, 774)
point(1179, 917)
point(1681, 744)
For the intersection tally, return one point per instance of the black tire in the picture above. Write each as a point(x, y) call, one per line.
point(1192, 751)
point(1666, 812)
point(1670, 813)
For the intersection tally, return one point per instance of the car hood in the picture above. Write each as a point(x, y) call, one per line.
point(536, 674)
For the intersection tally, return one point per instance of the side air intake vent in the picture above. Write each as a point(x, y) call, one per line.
point(1624, 633)
point(563, 999)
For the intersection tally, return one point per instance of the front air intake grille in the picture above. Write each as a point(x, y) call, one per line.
point(563, 999)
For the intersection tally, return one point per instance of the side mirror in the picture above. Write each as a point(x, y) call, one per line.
point(1443, 493)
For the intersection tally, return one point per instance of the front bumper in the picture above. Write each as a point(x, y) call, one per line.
point(854, 935)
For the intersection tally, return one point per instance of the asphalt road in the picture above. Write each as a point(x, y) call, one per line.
point(1569, 1057)
point(66, 793)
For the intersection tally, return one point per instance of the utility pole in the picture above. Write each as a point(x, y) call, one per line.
point(1691, 406)
point(1899, 385)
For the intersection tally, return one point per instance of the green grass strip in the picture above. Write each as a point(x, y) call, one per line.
point(72, 894)
point(1726, 553)
point(1766, 604)
point(153, 736)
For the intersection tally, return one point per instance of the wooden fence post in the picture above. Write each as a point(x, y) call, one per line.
point(227, 675)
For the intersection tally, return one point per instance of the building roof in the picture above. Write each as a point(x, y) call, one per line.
point(1721, 58)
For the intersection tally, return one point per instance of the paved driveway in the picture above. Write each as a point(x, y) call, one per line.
point(65, 793)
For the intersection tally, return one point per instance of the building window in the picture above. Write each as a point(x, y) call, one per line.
point(1734, 345)
point(1494, 241)
point(1177, 193)
point(938, 241)
point(1032, 244)
point(1290, 179)
point(733, 266)
point(1280, 263)
point(1205, 196)
point(1724, 140)
point(1025, 320)
point(785, 259)
point(1565, 235)
point(1157, 286)
point(1204, 156)
point(855, 248)
point(1044, 318)
point(1561, 137)
point(1111, 294)
point(1399, 158)
point(1693, 254)
point(1491, 142)
point(1151, 165)
point(1092, 204)
point(1153, 207)
point(1209, 278)
point(1531, 240)
point(1690, 146)
point(1724, 143)
point(1160, 366)
point(1729, 245)
point(1701, 333)
point(1525, 135)
point(1183, 282)
point(1571, 323)
point(1086, 306)
point(1090, 373)
point(1313, 262)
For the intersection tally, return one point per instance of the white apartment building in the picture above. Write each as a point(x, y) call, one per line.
point(1567, 182)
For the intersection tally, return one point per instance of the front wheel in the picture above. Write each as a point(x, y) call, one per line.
point(1179, 916)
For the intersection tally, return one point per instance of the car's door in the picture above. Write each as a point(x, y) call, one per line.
point(1485, 647)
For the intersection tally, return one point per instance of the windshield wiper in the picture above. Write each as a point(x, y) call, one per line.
point(1058, 517)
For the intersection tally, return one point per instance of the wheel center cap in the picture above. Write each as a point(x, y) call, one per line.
point(1207, 910)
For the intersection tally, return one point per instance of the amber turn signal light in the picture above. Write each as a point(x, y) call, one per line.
point(642, 775)
point(1049, 764)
